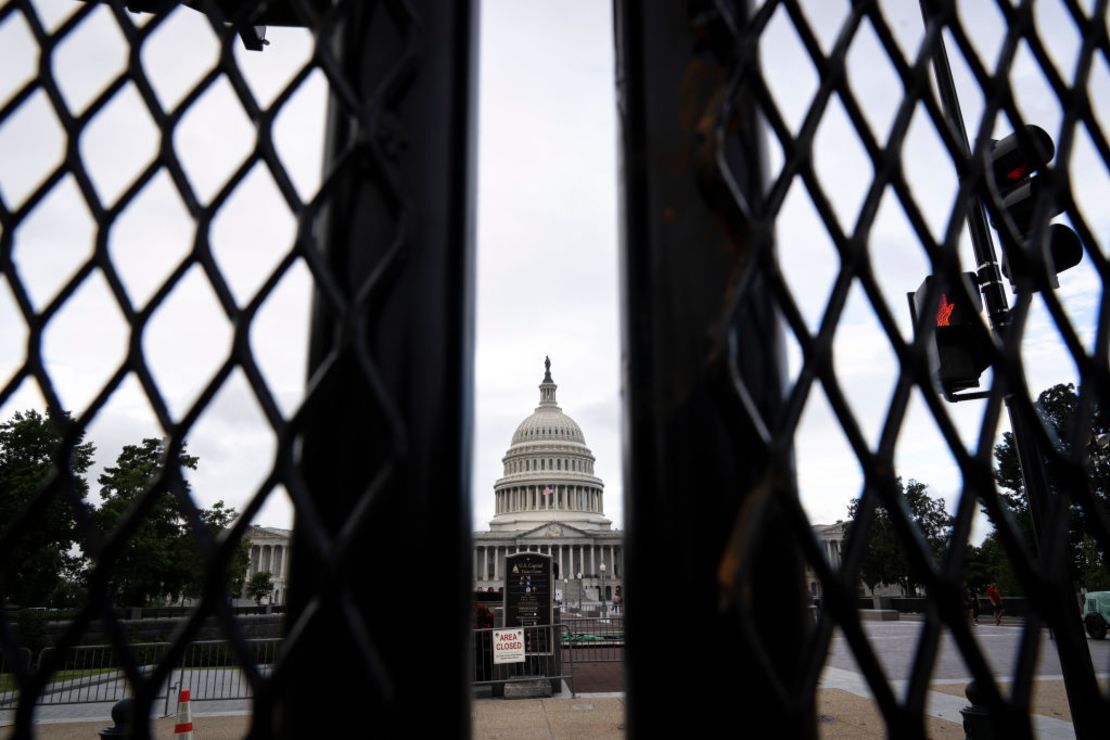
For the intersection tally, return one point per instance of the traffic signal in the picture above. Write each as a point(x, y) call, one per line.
point(957, 356)
point(1014, 173)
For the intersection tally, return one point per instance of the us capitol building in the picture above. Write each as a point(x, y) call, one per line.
point(548, 500)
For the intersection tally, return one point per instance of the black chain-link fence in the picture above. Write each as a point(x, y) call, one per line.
point(805, 163)
point(212, 220)
point(791, 171)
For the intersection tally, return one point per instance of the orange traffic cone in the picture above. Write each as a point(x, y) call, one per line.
point(183, 730)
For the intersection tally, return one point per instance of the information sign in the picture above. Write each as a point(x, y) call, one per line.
point(528, 597)
point(508, 646)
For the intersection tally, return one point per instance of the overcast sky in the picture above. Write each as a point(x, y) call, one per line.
point(547, 234)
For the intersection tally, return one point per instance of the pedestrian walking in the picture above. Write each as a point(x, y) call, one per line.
point(995, 597)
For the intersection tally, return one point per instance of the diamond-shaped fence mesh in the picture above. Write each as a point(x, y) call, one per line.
point(809, 161)
point(173, 217)
point(175, 208)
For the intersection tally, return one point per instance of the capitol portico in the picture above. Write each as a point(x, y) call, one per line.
point(549, 500)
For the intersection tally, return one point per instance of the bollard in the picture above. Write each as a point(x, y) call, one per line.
point(121, 715)
point(978, 722)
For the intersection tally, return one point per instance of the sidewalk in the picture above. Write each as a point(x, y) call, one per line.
point(589, 715)
point(842, 713)
point(593, 716)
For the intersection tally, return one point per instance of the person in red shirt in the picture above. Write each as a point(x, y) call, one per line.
point(996, 602)
point(483, 617)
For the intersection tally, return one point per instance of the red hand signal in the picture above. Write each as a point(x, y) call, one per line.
point(944, 311)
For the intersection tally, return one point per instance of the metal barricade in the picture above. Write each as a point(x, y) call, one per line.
point(547, 662)
point(94, 673)
point(210, 669)
point(594, 640)
point(8, 672)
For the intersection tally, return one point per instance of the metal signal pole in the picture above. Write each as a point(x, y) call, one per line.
point(1056, 601)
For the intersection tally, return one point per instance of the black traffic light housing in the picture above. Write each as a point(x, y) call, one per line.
point(248, 17)
point(1015, 166)
point(957, 355)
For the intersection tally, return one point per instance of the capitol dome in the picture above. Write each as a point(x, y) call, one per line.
point(549, 422)
point(548, 472)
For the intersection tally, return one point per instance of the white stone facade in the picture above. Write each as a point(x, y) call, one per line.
point(549, 500)
point(831, 538)
point(269, 553)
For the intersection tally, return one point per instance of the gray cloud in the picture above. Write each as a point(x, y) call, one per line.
point(547, 231)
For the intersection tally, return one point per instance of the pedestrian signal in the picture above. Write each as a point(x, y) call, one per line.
point(957, 355)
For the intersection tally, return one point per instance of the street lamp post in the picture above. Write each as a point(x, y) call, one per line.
point(579, 592)
point(601, 594)
point(566, 594)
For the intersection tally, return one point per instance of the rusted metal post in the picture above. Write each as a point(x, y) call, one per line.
point(703, 485)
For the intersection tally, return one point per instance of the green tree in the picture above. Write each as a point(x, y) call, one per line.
point(37, 559)
point(161, 560)
point(997, 568)
point(260, 586)
point(216, 520)
point(1056, 406)
point(978, 570)
point(885, 560)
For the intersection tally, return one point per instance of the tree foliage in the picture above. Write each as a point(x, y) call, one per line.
point(41, 563)
point(1056, 406)
point(885, 560)
point(161, 560)
point(260, 586)
point(988, 564)
point(37, 560)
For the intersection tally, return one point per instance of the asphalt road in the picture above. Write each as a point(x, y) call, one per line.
point(895, 644)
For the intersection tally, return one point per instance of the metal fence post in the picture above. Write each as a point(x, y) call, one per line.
point(703, 378)
point(379, 595)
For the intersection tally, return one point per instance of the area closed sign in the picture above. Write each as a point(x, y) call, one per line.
point(508, 646)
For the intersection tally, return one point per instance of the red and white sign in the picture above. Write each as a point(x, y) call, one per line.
point(508, 646)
